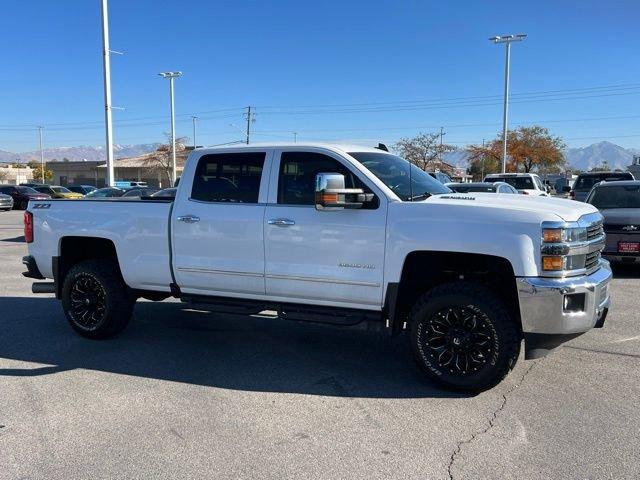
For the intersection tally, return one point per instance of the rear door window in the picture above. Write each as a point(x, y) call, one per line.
point(228, 177)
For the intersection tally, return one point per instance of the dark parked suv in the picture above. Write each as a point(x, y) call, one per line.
point(619, 203)
point(586, 181)
point(21, 195)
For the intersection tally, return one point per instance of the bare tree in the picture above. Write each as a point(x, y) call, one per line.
point(424, 151)
point(161, 160)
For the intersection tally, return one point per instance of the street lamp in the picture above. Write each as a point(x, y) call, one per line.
point(506, 39)
point(171, 76)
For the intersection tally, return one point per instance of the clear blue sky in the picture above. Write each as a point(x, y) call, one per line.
point(292, 59)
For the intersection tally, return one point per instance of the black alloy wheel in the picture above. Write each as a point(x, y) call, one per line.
point(459, 339)
point(96, 301)
point(88, 302)
point(463, 337)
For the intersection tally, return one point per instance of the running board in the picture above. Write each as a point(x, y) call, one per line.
point(291, 311)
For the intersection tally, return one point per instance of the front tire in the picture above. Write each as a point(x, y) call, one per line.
point(463, 337)
point(96, 300)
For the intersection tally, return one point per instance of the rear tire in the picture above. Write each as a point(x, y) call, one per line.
point(463, 337)
point(95, 299)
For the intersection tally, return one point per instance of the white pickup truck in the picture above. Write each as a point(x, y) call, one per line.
point(343, 235)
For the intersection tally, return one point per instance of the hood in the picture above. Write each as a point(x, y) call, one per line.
point(567, 210)
point(620, 216)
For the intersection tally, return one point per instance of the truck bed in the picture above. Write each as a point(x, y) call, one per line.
point(138, 228)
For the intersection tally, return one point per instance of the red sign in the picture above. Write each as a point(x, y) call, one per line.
point(628, 247)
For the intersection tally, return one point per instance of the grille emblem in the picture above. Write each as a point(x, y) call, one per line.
point(630, 228)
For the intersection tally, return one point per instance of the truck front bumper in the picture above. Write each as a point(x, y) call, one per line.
point(554, 310)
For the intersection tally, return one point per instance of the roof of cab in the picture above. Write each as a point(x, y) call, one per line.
point(346, 148)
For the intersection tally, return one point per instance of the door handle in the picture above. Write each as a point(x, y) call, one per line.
point(281, 222)
point(188, 218)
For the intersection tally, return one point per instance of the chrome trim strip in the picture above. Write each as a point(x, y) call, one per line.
point(219, 272)
point(323, 280)
point(278, 277)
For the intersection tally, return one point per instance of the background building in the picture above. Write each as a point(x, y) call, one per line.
point(15, 175)
point(152, 168)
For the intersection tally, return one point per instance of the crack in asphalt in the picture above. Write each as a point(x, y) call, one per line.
point(621, 354)
point(490, 424)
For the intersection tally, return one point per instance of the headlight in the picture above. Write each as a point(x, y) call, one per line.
point(564, 235)
point(569, 249)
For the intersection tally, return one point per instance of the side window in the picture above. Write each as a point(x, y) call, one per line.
point(297, 177)
point(228, 177)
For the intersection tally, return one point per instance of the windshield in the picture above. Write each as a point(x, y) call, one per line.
point(27, 190)
point(519, 183)
point(393, 171)
point(61, 189)
point(586, 182)
point(624, 196)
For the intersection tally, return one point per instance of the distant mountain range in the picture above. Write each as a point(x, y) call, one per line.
point(83, 152)
point(583, 158)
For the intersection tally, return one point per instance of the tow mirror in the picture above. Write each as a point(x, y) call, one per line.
point(331, 193)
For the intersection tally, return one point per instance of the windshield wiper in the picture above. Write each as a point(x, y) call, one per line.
point(422, 196)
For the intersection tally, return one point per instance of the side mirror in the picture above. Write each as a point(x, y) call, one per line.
point(566, 189)
point(331, 193)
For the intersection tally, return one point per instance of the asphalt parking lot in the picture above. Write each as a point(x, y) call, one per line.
point(186, 393)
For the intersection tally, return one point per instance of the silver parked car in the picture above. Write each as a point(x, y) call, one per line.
point(6, 202)
point(487, 187)
point(619, 203)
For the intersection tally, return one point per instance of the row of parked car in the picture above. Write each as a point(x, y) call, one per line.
point(18, 196)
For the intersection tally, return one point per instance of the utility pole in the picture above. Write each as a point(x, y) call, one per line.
point(441, 135)
point(172, 76)
point(482, 173)
point(107, 92)
point(295, 137)
point(41, 153)
point(506, 39)
point(249, 115)
point(194, 119)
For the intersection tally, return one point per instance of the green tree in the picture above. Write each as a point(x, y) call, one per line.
point(37, 172)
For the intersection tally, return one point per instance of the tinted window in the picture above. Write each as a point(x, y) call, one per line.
point(297, 179)
point(393, 171)
point(6, 190)
point(588, 181)
point(627, 196)
point(519, 183)
point(228, 177)
point(76, 189)
point(26, 190)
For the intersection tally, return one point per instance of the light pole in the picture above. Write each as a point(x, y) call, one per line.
point(506, 39)
point(171, 76)
point(107, 91)
point(194, 119)
point(41, 154)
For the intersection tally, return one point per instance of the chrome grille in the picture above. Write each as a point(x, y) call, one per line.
point(594, 230)
point(592, 260)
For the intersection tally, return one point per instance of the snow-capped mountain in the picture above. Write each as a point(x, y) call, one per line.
point(582, 158)
point(79, 153)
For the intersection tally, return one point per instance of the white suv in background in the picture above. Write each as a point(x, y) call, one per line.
point(525, 183)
